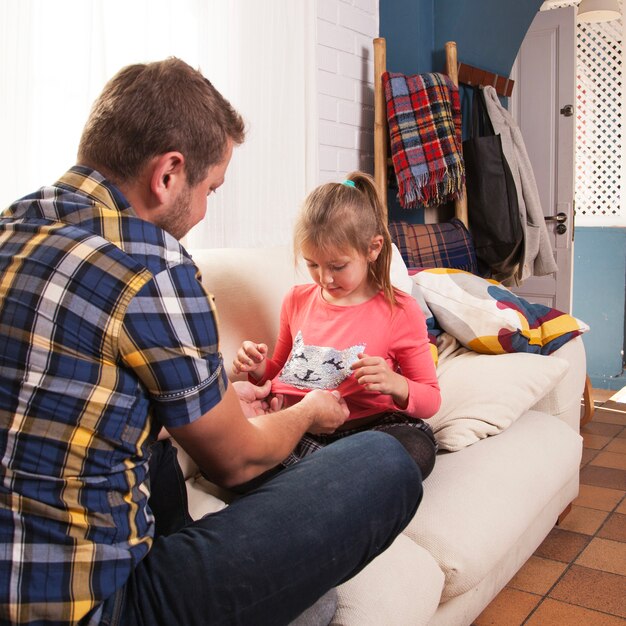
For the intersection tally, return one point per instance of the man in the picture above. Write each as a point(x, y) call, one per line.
point(107, 336)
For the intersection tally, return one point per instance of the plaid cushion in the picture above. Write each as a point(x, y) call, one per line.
point(448, 245)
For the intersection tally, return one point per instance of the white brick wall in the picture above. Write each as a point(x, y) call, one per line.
point(345, 70)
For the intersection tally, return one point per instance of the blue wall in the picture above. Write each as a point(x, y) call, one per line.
point(599, 279)
point(488, 34)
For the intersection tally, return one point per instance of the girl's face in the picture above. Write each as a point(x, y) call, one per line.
point(343, 275)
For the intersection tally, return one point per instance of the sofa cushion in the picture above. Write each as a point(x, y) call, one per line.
point(473, 407)
point(203, 497)
point(248, 286)
point(487, 317)
point(479, 501)
point(200, 500)
point(402, 586)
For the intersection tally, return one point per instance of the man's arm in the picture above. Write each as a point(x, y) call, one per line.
point(178, 350)
point(232, 449)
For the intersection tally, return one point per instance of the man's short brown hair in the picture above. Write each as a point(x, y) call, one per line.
point(149, 109)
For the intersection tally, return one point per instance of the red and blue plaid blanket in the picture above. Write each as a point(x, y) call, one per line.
point(424, 116)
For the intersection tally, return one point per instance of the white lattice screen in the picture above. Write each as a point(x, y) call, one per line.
point(600, 100)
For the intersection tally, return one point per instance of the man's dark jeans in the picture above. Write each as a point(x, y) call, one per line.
point(273, 552)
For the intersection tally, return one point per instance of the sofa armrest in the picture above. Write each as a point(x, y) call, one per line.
point(563, 400)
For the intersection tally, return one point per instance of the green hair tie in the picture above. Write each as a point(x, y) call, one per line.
point(348, 183)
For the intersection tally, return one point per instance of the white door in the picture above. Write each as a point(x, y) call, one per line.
point(543, 104)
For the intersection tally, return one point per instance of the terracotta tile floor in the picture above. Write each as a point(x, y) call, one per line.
point(577, 576)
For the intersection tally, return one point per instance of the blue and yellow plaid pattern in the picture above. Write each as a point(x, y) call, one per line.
point(106, 335)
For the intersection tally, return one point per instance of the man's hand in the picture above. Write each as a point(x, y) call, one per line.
point(329, 410)
point(241, 436)
point(255, 400)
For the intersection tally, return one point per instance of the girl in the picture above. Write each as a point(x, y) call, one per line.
point(351, 330)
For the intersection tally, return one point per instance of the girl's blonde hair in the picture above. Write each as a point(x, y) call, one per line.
point(336, 216)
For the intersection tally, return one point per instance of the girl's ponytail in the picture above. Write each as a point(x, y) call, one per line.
point(380, 269)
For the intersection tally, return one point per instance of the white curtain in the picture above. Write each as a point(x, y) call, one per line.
point(56, 57)
point(271, 82)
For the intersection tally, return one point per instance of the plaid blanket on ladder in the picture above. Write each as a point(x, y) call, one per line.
point(424, 116)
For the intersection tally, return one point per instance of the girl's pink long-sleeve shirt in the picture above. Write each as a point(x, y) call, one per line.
point(318, 341)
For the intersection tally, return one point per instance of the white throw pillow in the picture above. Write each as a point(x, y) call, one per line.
point(483, 394)
point(399, 273)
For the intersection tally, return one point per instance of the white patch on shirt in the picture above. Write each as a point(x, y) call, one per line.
point(318, 367)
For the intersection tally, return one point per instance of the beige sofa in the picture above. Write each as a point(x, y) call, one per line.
point(486, 507)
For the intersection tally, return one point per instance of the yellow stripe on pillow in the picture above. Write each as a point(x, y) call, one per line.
point(486, 345)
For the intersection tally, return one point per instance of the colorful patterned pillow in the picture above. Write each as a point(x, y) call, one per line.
point(432, 328)
point(447, 244)
point(487, 317)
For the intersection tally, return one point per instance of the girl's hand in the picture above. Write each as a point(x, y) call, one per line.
point(251, 359)
point(374, 373)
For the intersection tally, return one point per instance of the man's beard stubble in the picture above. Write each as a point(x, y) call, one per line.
point(178, 221)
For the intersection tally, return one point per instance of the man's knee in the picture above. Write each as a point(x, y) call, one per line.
point(383, 463)
point(388, 454)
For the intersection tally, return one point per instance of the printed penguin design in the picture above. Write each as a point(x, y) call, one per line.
point(318, 367)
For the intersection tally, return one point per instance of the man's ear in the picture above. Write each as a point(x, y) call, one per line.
point(168, 176)
point(376, 245)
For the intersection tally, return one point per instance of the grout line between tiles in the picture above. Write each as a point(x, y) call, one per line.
point(572, 561)
point(546, 595)
point(578, 606)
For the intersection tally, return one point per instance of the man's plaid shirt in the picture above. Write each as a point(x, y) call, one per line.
point(106, 334)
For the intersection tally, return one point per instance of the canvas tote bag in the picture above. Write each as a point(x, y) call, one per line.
point(492, 206)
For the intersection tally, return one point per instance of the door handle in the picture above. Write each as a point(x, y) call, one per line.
point(559, 218)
